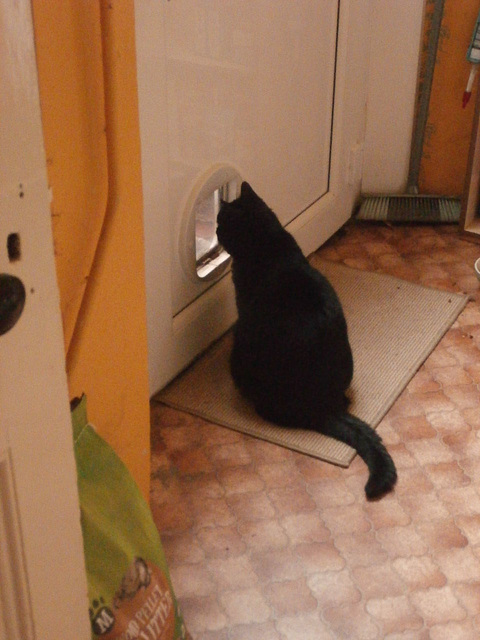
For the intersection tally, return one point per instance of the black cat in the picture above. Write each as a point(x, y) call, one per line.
point(291, 355)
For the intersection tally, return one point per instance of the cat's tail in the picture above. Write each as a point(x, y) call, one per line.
point(370, 448)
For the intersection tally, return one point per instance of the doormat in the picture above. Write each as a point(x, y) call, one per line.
point(393, 326)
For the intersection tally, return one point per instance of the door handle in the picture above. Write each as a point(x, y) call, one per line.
point(12, 301)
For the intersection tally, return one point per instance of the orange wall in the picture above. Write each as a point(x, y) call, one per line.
point(448, 131)
point(87, 76)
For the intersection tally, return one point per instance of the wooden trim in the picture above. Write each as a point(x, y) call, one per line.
point(469, 218)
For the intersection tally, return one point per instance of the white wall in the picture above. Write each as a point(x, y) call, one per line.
point(396, 28)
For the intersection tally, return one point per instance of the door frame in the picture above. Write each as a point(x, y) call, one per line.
point(175, 341)
point(43, 586)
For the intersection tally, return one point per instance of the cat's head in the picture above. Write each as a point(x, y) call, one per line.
point(245, 225)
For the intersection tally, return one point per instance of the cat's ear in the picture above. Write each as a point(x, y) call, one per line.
point(247, 193)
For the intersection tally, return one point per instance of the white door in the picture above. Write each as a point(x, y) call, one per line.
point(249, 83)
point(43, 589)
point(257, 90)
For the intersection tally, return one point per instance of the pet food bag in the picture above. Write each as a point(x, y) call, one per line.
point(129, 588)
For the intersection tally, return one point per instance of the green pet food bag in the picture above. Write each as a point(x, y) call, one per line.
point(129, 588)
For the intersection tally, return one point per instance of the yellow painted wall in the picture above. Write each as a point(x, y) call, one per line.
point(448, 131)
point(87, 76)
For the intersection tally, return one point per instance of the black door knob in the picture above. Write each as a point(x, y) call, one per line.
point(12, 301)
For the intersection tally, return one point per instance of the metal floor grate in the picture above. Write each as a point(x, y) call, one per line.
point(428, 209)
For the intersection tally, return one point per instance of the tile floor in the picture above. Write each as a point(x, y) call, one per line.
point(267, 544)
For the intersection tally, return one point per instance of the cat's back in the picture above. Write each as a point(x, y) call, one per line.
point(293, 335)
point(297, 288)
